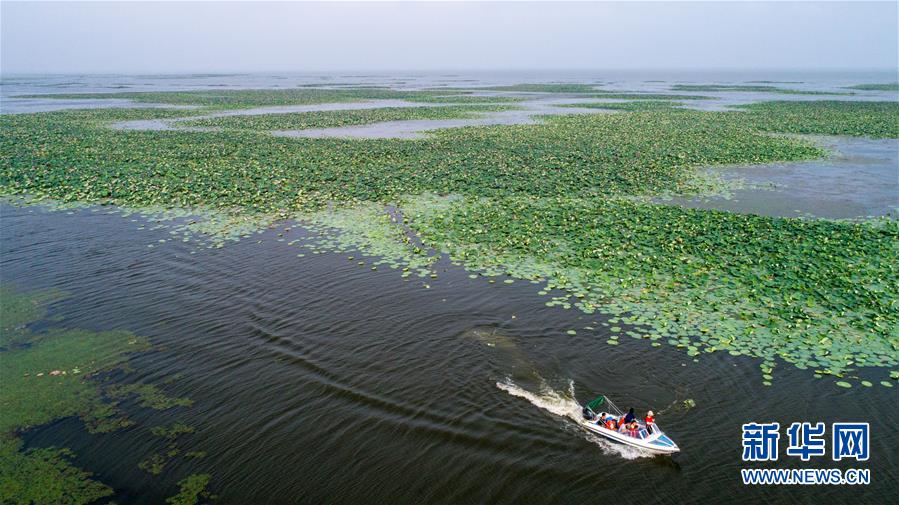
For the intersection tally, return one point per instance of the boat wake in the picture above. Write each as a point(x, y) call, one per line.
point(563, 404)
point(548, 399)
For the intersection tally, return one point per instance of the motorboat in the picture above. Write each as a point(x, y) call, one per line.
point(596, 418)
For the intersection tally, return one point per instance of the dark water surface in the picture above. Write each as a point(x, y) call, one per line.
point(316, 380)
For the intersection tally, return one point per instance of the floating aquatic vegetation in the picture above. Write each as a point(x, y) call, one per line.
point(543, 88)
point(532, 198)
point(829, 117)
point(649, 96)
point(371, 228)
point(455, 98)
point(193, 488)
point(44, 380)
point(344, 85)
point(249, 98)
point(148, 395)
point(642, 105)
point(172, 432)
point(154, 464)
point(213, 227)
point(817, 294)
point(19, 310)
point(71, 156)
point(751, 88)
point(47, 376)
point(44, 476)
point(889, 86)
point(340, 118)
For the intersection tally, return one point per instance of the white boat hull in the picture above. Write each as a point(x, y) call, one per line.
point(656, 443)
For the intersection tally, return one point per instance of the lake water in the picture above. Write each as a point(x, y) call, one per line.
point(650, 81)
point(859, 179)
point(317, 380)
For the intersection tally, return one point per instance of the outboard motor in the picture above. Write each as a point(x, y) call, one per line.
point(588, 414)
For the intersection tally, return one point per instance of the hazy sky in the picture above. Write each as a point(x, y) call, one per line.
point(232, 36)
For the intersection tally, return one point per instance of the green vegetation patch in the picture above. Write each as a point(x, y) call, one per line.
point(249, 98)
point(889, 86)
point(650, 96)
point(454, 98)
point(172, 432)
point(16, 311)
point(154, 464)
point(829, 117)
point(751, 88)
point(543, 88)
point(47, 381)
point(71, 156)
point(44, 378)
point(825, 117)
point(533, 201)
point(369, 228)
point(335, 119)
point(148, 395)
point(44, 476)
point(818, 294)
point(642, 105)
point(47, 376)
point(193, 488)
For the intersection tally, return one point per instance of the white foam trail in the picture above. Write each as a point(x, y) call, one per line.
point(566, 406)
point(548, 399)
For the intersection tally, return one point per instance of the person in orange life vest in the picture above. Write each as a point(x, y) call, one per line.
point(650, 421)
point(610, 423)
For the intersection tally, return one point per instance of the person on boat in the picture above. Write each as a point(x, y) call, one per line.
point(630, 416)
point(650, 421)
point(632, 428)
point(610, 422)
